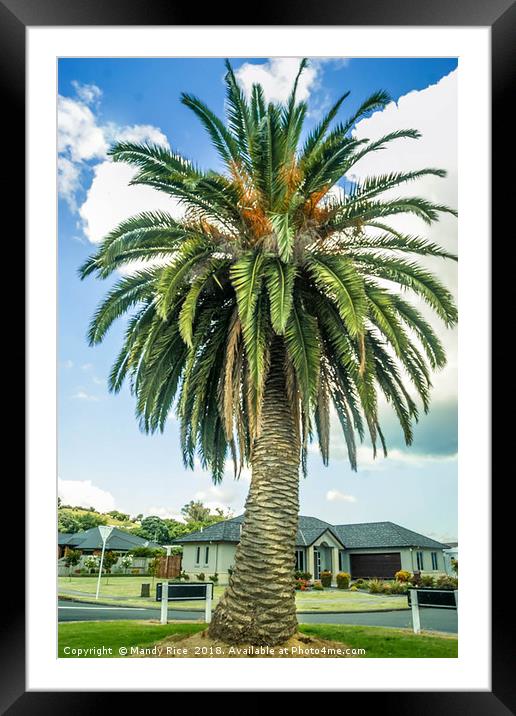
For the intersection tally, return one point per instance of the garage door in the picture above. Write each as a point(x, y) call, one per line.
point(381, 565)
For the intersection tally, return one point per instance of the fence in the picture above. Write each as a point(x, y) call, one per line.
point(169, 567)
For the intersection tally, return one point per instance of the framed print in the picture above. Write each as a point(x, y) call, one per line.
point(258, 368)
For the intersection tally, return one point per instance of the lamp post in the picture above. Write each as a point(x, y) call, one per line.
point(105, 531)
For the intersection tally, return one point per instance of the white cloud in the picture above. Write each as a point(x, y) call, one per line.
point(81, 394)
point(432, 111)
point(397, 458)
point(220, 497)
point(337, 496)
point(83, 142)
point(164, 512)
point(110, 199)
point(67, 363)
point(78, 132)
point(83, 493)
point(87, 93)
point(140, 133)
point(68, 180)
point(277, 76)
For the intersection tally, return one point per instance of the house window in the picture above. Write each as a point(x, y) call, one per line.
point(206, 556)
point(434, 560)
point(197, 555)
point(341, 560)
point(419, 560)
point(300, 560)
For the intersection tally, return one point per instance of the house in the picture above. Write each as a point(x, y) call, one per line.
point(89, 542)
point(452, 553)
point(369, 549)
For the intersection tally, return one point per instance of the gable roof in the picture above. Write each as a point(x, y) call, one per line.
point(382, 534)
point(356, 536)
point(309, 529)
point(91, 539)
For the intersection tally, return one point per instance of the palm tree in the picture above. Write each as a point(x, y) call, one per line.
point(274, 301)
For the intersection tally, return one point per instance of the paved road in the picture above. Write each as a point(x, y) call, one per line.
point(434, 619)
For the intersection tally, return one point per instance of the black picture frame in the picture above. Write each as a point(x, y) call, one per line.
point(500, 16)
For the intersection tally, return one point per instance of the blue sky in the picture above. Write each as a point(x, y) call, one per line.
point(104, 460)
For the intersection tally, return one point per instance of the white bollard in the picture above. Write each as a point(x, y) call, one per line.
point(416, 624)
point(164, 603)
point(207, 606)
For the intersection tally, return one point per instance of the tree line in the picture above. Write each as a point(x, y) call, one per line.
point(195, 514)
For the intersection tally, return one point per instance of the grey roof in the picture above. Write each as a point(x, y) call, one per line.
point(91, 539)
point(358, 536)
point(382, 534)
point(309, 529)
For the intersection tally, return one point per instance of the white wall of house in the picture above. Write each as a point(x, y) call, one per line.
point(220, 558)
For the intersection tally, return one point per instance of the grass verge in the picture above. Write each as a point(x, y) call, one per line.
point(125, 591)
point(93, 639)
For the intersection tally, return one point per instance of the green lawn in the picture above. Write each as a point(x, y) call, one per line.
point(379, 642)
point(126, 591)
point(384, 642)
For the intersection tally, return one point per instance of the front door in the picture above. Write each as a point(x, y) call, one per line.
point(317, 563)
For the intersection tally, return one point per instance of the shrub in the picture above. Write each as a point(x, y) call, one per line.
point(91, 563)
point(201, 576)
point(298, 574)
point(343, 580)
point(183, 575)
point(402, 576)
point(214, 578)
point(353, 588)
point(455, 565)
point(326, 578)
point(230, 571)
point(147, 552)
point(446, 582)
point(110, 559)
point(301, 585)
point(427, 581)
point(318, 585)
point(126, 561)
point(135, 571)
point(399, 588)
point(376, 586)
point(360, 584)
point(72, 558)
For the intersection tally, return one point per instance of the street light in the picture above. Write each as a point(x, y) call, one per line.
point(105, 531)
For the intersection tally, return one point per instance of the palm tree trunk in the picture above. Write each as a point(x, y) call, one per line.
point(258, 606)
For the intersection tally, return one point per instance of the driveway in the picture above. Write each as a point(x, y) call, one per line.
point(431, 619)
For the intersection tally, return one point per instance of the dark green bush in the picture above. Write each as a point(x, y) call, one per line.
point(326, 578)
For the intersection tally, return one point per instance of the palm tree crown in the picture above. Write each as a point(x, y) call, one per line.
point(271, 259)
